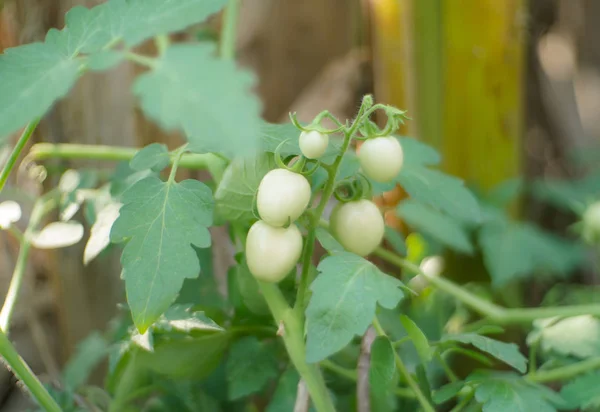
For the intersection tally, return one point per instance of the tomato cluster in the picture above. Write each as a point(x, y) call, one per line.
point(274, 243)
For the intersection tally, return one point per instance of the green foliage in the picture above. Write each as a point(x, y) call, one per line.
point(89, 353)
point(175, 96)
point(382, 375)
point(160, 222)
point(447, 392)
point(285, 394)
point(343, 302)
point(577, 336)
point(436, 224)
point(154, 156)
point(505, 352)
point(250, 366)
point(235, 194)
point(418, 338)
point(501, 392)
point(582, 392)
point(33, 77)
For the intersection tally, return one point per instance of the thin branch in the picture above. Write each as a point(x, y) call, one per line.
point(14, 156)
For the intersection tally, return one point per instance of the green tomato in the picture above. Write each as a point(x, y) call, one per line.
point(381, 158)
point(282, 197)
point(313, 144)
point(358, 226)
point(272, 252)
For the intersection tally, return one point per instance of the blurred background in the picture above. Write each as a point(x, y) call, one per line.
point(507, 90)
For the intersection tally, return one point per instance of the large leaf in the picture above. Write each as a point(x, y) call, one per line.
point(418, 153)
point(582, 392)
point(235, 194)
point(343, 302)
point(130, 21)
point(250, 366)
point(439, 226)
point(33, 77)
point(418, 338)
point(501, 392)
point(578, 336)
point(214, 107)
point(516, 250)
point(155, 156)
point(505, 352)
point(162, 222)
point(382, 375)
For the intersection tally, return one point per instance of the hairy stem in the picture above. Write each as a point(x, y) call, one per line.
point(229, 30)
point(14, 156)
point(494, 313)
point(44, 151)
point(25, 374)
point(405, 373)
point(293, 338)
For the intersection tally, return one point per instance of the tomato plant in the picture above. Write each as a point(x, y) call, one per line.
point(298, 323)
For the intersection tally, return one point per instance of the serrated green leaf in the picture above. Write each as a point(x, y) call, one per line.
point(582, 392)
point(286, 392)
point(130, 21)
point(382, 375)
point(181, 318)
point(441, 191)
point(235, 194)
point(501, 392)
point(578, 336)
point(105, 60)
point(343, 303)
point(435, 224)
point(89, 353)
point(33, 77)
point(249, 367)
point(273, 135)
point(215, 109)
point(418, 153)
point(155, 156)
point(447, 392)
point(505, 352)
point(162, 222)
point(515, 250)
point(418, 338)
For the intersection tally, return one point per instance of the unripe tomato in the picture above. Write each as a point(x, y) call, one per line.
point(358, 226)
point(282, 197)
point(313, 144)
point(381, 158)
point(272, 252)
point(591, 223)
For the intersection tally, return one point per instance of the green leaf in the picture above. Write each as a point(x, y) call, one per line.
point(516, 250)
point(286, 392)
point(582, 392)
point(571, 195)
point(418, 153)
point(328, 241)
point(396, 240)
point(249, 367)
point(105, 60)
point(162, 222)
point(501, 392)
point(235, 194)
point(89, 353)
point(418, 338)
point(181, 318)
point(441, 191)
point(274, 135)
point(180, 357)
point(439, 226)
point(215, 109)
point(248, 287)
point(343, 303)
point(447, 392)
point(577, 336)
point(506, 352)
point(33, 77)
point(382, 375)
point(155, 156)
point(184, 396)
point(130, 21)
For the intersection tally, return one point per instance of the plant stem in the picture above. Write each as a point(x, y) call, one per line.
point(309, 247)
point(149, 62)
point(533, 357)
point(44, 151)
point(40, 209)
point(229, 30)
point(463, 402)
point(293, 338)
point(25, 374)
point(565, 372)
point(14, 156)
point(176, 159)
point(405, 373)
point(493, 312)
point(451, 375)
point(351, 374)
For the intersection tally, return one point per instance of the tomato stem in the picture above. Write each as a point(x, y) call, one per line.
point(229, 30)
point(25, 136)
